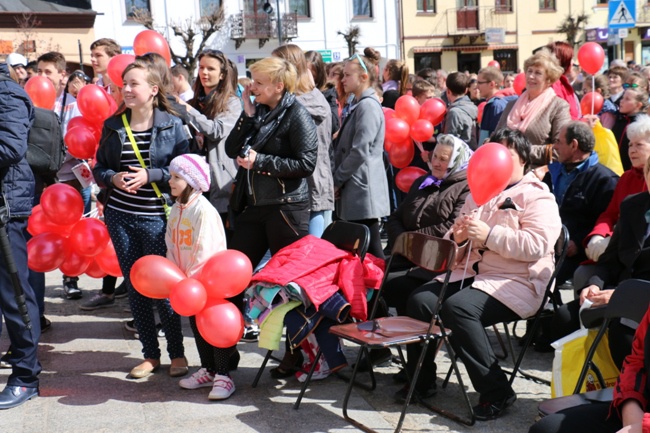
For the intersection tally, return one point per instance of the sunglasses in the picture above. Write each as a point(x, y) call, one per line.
point(80, 75)
point(212, 53)
point(358, 57)
point(630, 86)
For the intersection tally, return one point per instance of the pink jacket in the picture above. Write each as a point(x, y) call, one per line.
point(517, 259)
point(194, 234)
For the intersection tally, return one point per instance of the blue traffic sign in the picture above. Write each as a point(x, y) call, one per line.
point(622, 14)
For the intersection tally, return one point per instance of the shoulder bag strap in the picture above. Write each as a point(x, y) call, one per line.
point(139, 156)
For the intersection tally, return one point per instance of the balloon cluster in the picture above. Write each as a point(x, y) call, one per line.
point(224, 275)
point(410, 121)
point(63, 239)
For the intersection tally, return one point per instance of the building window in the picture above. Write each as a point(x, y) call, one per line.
point(362, 8)
point(209, 7)
point(546, 5)
point(427, 60)
point(133, 5)
point(507, 59)
point(427, 6)
point(301, 7)
point(503, 5)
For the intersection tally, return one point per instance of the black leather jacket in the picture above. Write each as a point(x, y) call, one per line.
point(286, 145)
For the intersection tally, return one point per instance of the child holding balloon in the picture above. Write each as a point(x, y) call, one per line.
point(132, 163)
point(194, 234)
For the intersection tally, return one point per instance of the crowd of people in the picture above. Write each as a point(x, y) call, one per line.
point(256, 164)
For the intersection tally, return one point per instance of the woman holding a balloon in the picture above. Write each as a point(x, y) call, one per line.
point(506, 234)
point(538, 112)
point(143, 130)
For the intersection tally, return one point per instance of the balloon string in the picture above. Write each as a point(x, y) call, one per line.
point(469, 252)
point(92, 214)
point(593, 89)
point(419, 145)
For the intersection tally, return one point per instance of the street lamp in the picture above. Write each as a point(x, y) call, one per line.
point(269, 10)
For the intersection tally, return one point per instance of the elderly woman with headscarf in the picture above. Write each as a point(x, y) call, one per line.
point(431, 206)
point(538, 112)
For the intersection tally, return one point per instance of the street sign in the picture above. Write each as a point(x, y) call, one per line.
point(622, 14)
point(326, 55)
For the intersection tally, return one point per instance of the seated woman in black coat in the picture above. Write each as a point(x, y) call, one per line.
point(431, 206)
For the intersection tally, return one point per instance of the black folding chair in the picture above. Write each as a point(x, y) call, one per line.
point(430, 253)
point(560, 251)
point(630, 300)
point(347, 236)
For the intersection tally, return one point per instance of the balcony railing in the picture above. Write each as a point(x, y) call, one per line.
point(475, 19)
point(263, 27)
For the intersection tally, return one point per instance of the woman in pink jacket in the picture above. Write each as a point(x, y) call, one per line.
point(509, 265)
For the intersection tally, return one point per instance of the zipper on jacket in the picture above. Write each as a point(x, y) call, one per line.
point(176, 241)
point(286, 220)
point(283, 186)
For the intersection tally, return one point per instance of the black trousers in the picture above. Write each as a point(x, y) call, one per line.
point(24, 343)
point(592, 418)
point(466, 312)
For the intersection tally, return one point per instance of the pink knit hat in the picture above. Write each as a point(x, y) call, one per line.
point(193, 169)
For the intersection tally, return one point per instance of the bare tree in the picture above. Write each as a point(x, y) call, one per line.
point(572, 26)
point(351, 38)
point(28, 39)
point(193, 33)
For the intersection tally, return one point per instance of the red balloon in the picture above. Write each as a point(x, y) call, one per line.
point(107, 260)
point(39, 223)
point(62, 203)
point(520, 83)
point(95, 104)
point(74, 264)
point(45, 252)
point(591, 57)
point(93, 270)
point(494, 64)
point(81, 142)
point(150, 41)
point(389, 113)
point(89, 237)
point(154, 276)
point(401, 154)
point(433, 110)
point(188, 297)
point(397, 130)
point(226, 274)
point(585, 103)
point(116, 67)
point(406, 176)
point(407, 108)
point(489, 172)
point(421, 130)
point(41, 91)
point(480, 107)
point(81, 121)
point(220, 323)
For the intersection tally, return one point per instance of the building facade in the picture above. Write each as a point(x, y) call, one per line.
point(467, 34)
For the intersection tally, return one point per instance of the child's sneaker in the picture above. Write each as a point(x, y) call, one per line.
point(251, 333)
point(222, 388)
point(202, 378)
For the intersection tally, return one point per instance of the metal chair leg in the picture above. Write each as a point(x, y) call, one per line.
point(305, 384)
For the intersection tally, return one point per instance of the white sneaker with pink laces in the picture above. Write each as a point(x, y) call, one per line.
point(222, 388)
point(202, 378)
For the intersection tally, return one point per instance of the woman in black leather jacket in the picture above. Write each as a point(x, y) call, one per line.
point(276, 146)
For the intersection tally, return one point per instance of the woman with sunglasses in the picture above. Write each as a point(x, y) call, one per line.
point(633, 103)
point(212, 114)
point(360, 183)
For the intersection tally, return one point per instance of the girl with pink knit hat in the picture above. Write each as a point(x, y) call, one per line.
point(194, 234)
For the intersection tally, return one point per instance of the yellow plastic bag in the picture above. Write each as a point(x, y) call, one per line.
point(570, 354)
point(607, 148)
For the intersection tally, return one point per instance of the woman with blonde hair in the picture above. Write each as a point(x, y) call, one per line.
point(321, 186)
point(538, 112)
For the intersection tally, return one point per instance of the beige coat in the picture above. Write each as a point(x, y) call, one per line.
point(517, 259)
point(544, 130)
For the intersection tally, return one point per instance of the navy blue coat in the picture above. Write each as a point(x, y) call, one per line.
point(16, 118)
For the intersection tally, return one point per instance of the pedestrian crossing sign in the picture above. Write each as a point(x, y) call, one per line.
point(622, 14)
